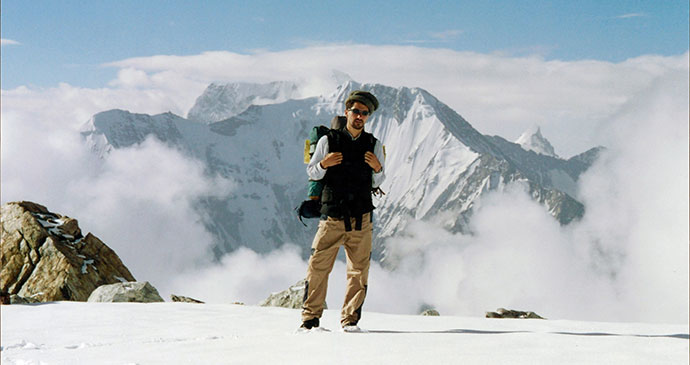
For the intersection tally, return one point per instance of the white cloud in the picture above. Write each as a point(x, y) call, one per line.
point(631, 15)
point(8, 42)
point(637, 199)
point(68, 107)
point(131, 78)
point(447, 34)
point(518, 257)
point(243, 276)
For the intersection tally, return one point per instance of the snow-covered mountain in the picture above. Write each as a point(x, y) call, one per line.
point(533, 140)
point(222, 101)
point(436, 164)
point(219, 102)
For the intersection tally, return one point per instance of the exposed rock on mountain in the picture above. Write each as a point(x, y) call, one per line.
point(291, 297)
point(437, 164)
point(509, 313)
point(140, 292)
point(183, 299)
point(45, 257)
point(16, 299)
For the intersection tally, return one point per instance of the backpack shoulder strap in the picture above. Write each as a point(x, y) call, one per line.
point(334, 140)
point(371, 141)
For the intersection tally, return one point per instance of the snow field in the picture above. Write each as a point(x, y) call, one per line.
point(181, 333)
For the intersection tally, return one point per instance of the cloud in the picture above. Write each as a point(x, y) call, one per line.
point(149, 192)
point(436, 37)
point(631, 15)
point(243, 276)
point(540, 51)
point(517, 257)
point(447, 34)
point(637, 200)
point(8, 42)
point(131, 78)
point(68, 107)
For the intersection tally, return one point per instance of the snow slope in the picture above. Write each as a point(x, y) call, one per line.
point(181, 333)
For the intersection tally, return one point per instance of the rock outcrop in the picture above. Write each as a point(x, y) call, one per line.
point(430, 312)
point(291, 297)
point(183, 299)
point(140, 292)
point(509, 313)
point(16, 299)
point(46, 258)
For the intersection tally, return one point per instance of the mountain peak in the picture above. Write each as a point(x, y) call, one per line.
point(222, 101)
point(533, 140)
point(340, 77)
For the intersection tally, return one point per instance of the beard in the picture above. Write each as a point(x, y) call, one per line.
point(358, 125)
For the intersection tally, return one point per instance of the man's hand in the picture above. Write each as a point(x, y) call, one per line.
point(372, 161)
point(332, 159)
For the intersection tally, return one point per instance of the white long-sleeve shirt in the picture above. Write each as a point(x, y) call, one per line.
point(316, 172)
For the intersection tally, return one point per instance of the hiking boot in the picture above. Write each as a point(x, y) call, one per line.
point(351, 327)
point(311, 323)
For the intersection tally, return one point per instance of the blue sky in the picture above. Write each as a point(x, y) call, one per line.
point(48, 42)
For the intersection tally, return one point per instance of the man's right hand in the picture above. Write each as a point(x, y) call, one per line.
point(332, 159)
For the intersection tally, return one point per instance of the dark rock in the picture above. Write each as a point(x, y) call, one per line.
point(430, 312)
point(179, 298)
point(16, 299)
point(291, 297)
point(509, 313)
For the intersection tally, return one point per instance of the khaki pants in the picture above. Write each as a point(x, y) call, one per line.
point(329, 237)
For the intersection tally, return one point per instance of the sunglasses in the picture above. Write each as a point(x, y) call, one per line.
point(360, 112)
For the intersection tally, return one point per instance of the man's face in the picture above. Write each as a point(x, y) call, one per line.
point(356, 120)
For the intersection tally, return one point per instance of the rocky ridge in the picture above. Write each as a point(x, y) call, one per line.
point(45, 256)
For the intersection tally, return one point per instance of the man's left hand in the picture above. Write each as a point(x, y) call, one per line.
point(372, 161)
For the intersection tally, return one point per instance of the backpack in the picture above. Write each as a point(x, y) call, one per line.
point(311, 208)
point(338, 122)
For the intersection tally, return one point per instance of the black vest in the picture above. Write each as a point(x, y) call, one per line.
point(347, 186)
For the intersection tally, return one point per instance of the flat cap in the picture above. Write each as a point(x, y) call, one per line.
point(365, 98)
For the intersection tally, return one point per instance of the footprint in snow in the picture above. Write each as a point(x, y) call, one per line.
point(24, 345)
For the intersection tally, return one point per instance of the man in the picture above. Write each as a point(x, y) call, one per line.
point(350, 163)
